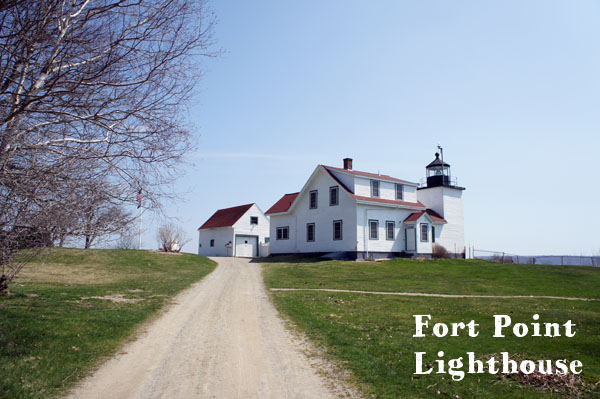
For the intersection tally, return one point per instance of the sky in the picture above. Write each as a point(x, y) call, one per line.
point(511, 90)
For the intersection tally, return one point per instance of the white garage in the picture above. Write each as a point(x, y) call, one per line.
point(237, 231)
point(246, 246)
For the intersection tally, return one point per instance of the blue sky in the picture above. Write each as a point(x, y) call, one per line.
point(511, 89)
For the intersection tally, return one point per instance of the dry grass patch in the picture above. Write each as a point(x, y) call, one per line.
point(154, 251)
point(117, 298)
point(90, 273)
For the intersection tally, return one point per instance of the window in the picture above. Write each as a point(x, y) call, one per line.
point(424, 232)
point(283, 233)
point(399, 191)
point(212, 243)
point(375, 188)
point(313, 199)
point(333, 195)
point(310, 232)
point(390, 228)
point(267, 239)
point(374, 229)
point(253, 219)
point(337, 229)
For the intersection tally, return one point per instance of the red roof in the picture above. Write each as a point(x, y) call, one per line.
point(225, 217)
point(283, 204)
point(417, 204)
point(413, 217)
point(366, 174)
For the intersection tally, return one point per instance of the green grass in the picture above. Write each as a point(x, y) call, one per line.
point(371, 335)
point(445, 276)
point(52, 332)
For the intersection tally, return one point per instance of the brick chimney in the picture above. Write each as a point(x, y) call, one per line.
point(348, 163)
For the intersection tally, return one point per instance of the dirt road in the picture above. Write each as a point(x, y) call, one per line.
point(222, 339)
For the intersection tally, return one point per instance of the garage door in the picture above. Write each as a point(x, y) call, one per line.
point(246, 246)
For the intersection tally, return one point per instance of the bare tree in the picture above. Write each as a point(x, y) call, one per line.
point(99, 80)
point(101, 220)
point(171, 238)
point(125, 241)
point(20, 245)
point(92, 91)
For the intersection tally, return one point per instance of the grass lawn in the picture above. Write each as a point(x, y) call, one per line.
point(371, 335)
point(64, 315)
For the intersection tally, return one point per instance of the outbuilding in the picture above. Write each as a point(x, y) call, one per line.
point(237, 231)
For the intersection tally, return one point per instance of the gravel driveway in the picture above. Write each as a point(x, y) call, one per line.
point(222, 339)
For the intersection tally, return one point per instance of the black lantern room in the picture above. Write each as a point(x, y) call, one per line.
point(438, 173)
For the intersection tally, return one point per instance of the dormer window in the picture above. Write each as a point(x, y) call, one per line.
point(399, 192)
point(253, 220)
point(375, 188)
point(313, 199)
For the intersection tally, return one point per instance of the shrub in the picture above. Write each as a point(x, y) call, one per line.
point(439, 252)
point(171, 238)
point(125, 241)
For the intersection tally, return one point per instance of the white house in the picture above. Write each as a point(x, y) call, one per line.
point(369, 215)
point(238, 231)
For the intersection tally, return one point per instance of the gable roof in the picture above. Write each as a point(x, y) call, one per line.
point(283, 204)
point(225, 217)
point(367, 174)
point(433, 215)
point(417, 204)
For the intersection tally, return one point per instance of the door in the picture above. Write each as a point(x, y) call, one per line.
point(411, 238)
point(246, 246)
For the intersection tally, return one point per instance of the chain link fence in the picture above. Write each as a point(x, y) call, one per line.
point(505, 257)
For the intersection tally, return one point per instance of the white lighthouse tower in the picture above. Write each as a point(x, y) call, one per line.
point(444, 196)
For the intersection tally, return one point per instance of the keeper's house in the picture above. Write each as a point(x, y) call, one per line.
point(238, 231)
point(367, 215)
